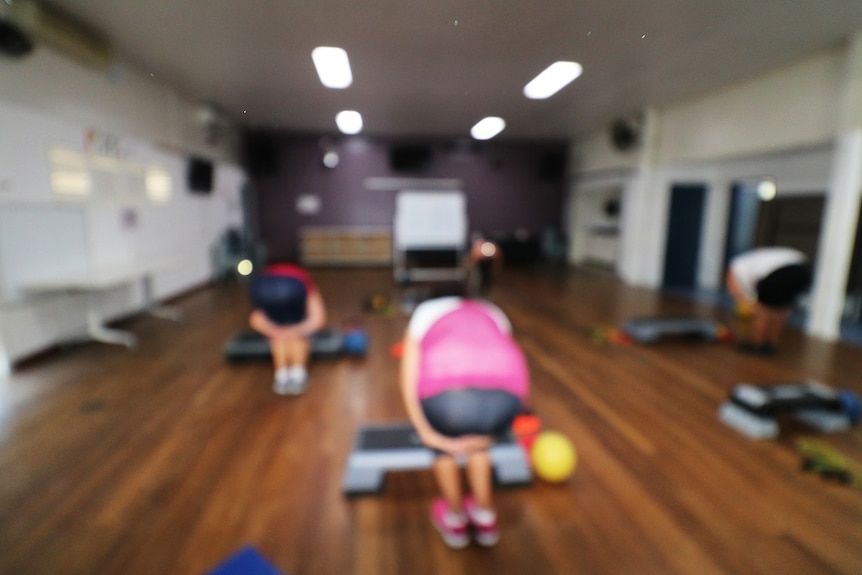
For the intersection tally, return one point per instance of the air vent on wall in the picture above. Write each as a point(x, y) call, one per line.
point(27, 23)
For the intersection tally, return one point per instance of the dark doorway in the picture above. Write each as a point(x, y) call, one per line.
point(682, 250)
point(851, 329)
point(792, 222)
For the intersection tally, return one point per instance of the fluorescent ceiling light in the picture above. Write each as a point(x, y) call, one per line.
point(349, 121)
point(552, 80)
point(332, 66)
point(487, 128)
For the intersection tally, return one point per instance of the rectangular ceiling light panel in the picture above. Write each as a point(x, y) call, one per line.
point(333, 66)
point(552, 79)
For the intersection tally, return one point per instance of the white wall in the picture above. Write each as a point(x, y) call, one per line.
point(782, 124)
point(121, 100)
point(788, 108)
point(47, 101)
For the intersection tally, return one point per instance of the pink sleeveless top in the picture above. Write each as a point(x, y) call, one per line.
point(466, 347)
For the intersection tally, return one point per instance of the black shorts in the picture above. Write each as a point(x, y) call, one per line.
point(281, 298)
point(472, 411)
point(780, 289)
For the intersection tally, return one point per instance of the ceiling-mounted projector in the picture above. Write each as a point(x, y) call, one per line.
point(27, 23)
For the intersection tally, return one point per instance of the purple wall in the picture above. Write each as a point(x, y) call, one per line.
point(508, 185)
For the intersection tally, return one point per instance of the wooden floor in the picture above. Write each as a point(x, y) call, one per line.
point(167, 459)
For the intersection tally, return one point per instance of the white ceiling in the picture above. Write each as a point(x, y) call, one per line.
point(435, 67)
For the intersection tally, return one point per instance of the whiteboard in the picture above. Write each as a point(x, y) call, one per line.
point(40, 241)
point(430, 219)
point(81, 201)
point(23, 157)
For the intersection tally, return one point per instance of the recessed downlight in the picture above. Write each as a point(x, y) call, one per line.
point(330, 159)
point(349, 121)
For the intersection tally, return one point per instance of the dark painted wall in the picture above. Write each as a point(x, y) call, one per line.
point(509, 185)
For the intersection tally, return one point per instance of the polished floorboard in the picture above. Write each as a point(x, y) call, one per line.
point(167, 459)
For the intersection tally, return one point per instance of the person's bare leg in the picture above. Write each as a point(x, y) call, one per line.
point(760, 325)
point(280, 350)
point(775, 326)
point(297, 351)
point(448, 476)
point(291, 365)
point(482, 514)
point(479, 477)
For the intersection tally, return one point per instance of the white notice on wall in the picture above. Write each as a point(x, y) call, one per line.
point(308, 204)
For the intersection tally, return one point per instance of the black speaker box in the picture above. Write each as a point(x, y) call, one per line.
point(260, 154)
point(200, 175)
point(552, 166)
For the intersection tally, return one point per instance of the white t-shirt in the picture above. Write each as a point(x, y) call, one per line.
point(751, 267)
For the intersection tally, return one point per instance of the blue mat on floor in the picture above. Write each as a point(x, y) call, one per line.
point(246, 561)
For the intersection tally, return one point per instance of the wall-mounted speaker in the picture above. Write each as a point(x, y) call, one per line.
point(14, 41)
point(625, 132)
point(552, 166)
point(410, 158)
point(200, 175)
point(611, 208)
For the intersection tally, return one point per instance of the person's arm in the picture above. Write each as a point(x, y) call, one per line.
point(259, 322)
point(736, 289)
point(745, 305)
point(315, 319)
point(410, 394)
point(316, 314)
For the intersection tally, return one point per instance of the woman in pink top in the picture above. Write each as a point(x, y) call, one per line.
point(463, 379)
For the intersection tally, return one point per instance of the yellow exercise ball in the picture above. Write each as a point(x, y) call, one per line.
point(554, 456)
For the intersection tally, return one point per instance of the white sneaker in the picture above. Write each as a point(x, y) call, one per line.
point(282, 386)
point(293, 383)
point(299, 377)
point(483, 522)
point(452, 528)
point(299, 382)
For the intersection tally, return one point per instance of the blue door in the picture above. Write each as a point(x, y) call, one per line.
point(685, 224)
point(742, 220)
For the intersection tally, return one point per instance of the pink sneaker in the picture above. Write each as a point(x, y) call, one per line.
point(484, 523)
point(452, 528)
